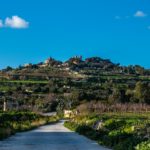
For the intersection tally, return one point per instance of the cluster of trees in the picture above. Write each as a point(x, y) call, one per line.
point(140, 94)
point(69, 93)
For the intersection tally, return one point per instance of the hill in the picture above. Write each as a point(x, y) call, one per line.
point(53, 84)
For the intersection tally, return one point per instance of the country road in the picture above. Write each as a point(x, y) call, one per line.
point(49, 137)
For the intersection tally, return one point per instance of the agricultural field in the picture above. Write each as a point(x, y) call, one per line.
point(24, 81)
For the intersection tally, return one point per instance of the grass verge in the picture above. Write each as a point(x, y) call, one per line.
point(13, 122)
point(126, 132)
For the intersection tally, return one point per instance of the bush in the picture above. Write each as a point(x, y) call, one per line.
point(143, 146)
point(116, 132)
point(13, 122)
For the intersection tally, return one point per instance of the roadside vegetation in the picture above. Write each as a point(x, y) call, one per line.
point(126, 131)
point(12, 122)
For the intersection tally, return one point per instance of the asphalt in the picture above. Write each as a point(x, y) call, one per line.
point(49, 137)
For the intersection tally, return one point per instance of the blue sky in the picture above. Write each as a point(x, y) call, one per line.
point(32, 30)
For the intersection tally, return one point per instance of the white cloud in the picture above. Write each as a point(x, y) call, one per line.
point(16, 22)
point(140, 14)
point(1, 23)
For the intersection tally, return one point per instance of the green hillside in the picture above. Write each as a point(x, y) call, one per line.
point(53, 84)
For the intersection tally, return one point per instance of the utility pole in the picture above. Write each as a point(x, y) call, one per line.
point(4, 105)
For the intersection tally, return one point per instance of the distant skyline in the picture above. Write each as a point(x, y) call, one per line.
point(31, 31)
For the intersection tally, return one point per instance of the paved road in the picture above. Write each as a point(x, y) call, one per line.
point(49, 114)
point(49, 137)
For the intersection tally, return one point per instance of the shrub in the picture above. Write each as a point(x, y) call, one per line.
point(13, 122)
point(143, 146)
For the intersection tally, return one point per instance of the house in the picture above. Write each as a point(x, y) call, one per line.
point(68, 113)
point(27, 65)
point(47, 61)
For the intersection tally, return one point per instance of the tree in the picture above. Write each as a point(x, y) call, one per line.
point(8, 68)
point(142, 92)
point(139, 70)
point(115, 96)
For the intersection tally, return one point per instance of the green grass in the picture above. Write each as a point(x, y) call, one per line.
point(7, 88)
point(117, 131)
point(144, 77)
point(12, 122)
point(119, 77)
point(24, 81)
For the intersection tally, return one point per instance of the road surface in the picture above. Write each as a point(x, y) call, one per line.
point(49, 114)
point(49, 137)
